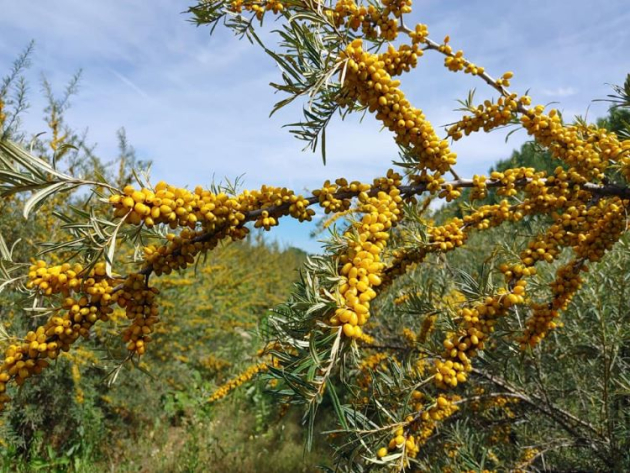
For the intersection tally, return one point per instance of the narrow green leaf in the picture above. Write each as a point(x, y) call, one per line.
point(38, 198)
point(337, 405)
point(109, 255)
point(4, 249)
point(323, 146)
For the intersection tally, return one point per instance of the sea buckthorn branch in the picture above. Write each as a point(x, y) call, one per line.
point(391, 63)
point(511, 183)
point(548, 129)
point(543, 404)
point(334, 200)
point(453, 234)
point(368, 82)
point(487, 116)
point(73, 319)
point(132, 292)
point(246, 376)
point(402, 445)
point(361, 265)
point(602, 225)
point(588, 149)
point(417, 428)
point(330, 197)
point(88, 296)
point(460, 346)
point(452, 370)
point(433, 154)
point(479, 321)
point(455, 61)
point(343, 17)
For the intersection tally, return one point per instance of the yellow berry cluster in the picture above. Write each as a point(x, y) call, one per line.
point(368, 81)
point(480, 189)
point(454, 232)
point(327, 194)
point(95, 295)
point(488, 116)
point(420, 427)
point(397, 8)
point(450, 193)
point(179, 207)
point(476, 323)
point(372, 21)
point(349, 13)
point(544, 248)
point(361, 265)
point(455, 61)
point(139, 302)
point(61, 279)
point(74, 319)
point(400, 441)
point(445, 237)
point(517, 271)
point(448, 236)
point(180, 252)
point(510, 177)
point(400, 60)
point(588, 149)
point(601, 228)
point(258, 7)
point(241, 379)
point(492, 215)
point(19, 367)
point(592, 230)
point(270, 196)
point(207, 217)
point(420, 34)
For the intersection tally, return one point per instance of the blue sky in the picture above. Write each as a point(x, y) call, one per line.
point(198, 105)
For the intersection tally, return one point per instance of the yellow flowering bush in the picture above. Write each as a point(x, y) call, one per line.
point(401, 393)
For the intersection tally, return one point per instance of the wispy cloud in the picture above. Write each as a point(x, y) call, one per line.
point(560, 92)
point(130, 84)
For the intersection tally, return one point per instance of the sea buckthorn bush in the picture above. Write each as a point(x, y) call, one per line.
point(489, 335)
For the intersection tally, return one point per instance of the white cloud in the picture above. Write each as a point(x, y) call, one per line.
point(560, 92)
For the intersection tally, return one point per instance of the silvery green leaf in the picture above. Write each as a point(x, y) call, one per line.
point(39, 197)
